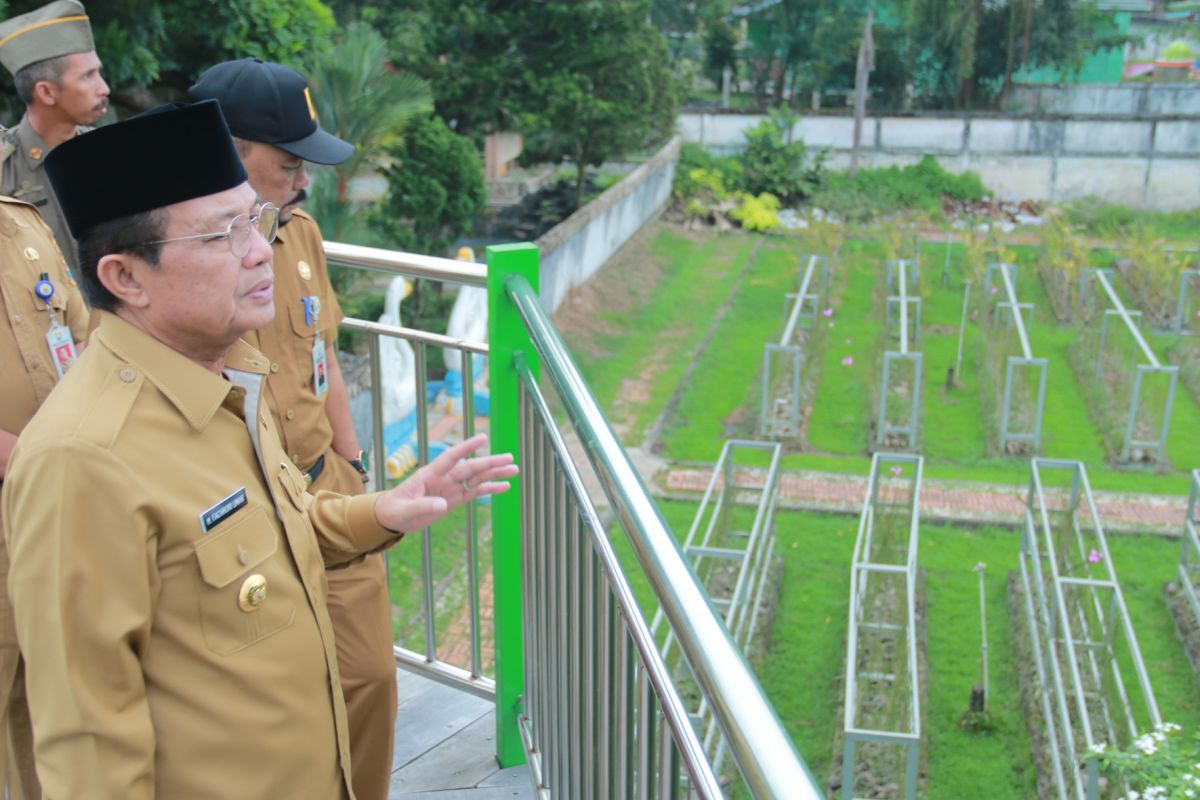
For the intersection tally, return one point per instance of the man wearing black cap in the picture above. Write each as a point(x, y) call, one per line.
point(271, 115)
point(52, 58)
point(167, 572)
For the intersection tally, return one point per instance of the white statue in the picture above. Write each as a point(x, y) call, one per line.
point(397, 365)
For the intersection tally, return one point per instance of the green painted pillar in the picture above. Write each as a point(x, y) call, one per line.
point(507, 336)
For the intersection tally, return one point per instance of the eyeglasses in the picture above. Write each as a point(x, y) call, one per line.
point(266, 222)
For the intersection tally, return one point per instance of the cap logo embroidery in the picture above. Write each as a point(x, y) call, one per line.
point(312, 110)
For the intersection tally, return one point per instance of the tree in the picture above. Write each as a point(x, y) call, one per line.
point(360, 99)
point(470, 52)
point(720, 51)
point(435, 188)
point(152, 52)
point(598, 83)
point(971, 50)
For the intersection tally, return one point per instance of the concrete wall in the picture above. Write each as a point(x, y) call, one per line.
point(1107, 100)
point(579, 245)
point(1146, 163)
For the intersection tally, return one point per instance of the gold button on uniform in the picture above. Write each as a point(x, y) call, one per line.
point(274, 367)
point(127, 375)
point(243, 556)
point(252, 593)
point(305, 270)
point(32, 254)
point(290, 414)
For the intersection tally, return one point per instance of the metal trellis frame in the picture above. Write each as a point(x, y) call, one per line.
point(1013, 313)
point(1189, 557)
point(1080, 633)
point(783, 361)
point(732, 563)
point(1146, 364)
point(882, 703)
point(1186, 279)
point(903, 275)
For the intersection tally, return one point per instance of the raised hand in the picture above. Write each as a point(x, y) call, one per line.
point(448, 481)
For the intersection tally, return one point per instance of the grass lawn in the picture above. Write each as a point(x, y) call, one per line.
point(448, 547)
point(635, 362)
point(802, 667)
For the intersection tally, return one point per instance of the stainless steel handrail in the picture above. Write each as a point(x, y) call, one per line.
point(448, 270)
point(764, 753)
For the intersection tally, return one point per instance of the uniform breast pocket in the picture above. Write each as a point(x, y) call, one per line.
point(58, 302)
point(247, 587)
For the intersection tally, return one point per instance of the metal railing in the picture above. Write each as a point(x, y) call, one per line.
point(1189, 557)
point(903, 276)
point(1015, 366)
point(733, 564)
point(1080, 632)
point(580, 689)
point(883, 701)
point(783, 361)
point(761, 749)
point(469, 676)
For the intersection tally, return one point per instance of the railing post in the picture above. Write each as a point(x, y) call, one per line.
point(507, 337)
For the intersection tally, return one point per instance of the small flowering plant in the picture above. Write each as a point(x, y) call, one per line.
point(1160, 765)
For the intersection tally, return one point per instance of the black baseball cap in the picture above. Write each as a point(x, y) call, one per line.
point(271, 103)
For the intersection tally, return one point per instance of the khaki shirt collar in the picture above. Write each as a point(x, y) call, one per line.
point(29, 141)
point(194, 391)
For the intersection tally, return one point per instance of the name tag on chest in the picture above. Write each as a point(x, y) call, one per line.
point(222, 509)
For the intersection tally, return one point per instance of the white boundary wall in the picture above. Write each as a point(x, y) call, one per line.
point(573, 250)
point(1107, 99)
point(1146, 163)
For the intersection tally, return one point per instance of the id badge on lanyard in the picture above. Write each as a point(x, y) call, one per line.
point(58, 338)
point(320, 367)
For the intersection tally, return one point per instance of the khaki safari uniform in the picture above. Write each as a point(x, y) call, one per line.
point(168, 583)
point(27, 375)
point(23, 153)
point(358, 594)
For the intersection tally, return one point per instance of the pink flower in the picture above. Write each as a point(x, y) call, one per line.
point(848, 361)
point(896, 470)
point(827, 312)
point(1095, 557)
point(994, 290)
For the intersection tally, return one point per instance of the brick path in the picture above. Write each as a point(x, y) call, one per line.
point(953, 501)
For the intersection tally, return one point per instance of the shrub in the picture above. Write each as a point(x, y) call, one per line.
point(875, 192)
point(772, 162)
point(1092, 216)
point(1161, 765)
point(435, 188)
point(696, 169)
point(757, 213)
